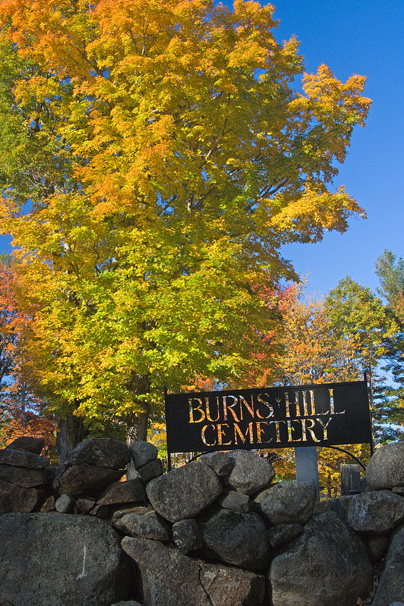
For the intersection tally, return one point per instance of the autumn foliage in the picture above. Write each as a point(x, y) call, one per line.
point(154, 158)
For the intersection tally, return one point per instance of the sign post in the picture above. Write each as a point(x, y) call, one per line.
point(306, 462)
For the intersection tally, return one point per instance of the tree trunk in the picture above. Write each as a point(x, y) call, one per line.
point(137, 425)
point(136, 430)
point(71, 431)
point(137, 422)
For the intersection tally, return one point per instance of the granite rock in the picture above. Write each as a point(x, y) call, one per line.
point(236, 538)
point(250, 472)
point(326, 565)
point(184, 492)
point(287, 502)
point(386, 467)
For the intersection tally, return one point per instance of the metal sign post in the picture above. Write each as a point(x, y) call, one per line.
point(306, 462)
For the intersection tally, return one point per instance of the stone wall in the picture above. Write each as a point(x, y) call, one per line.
point(215, 532)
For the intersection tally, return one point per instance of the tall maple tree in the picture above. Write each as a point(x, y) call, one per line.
point(155, 156)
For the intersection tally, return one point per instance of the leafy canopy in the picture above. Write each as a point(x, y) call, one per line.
point(155, 155)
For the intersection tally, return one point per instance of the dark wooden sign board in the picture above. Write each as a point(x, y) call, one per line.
point(275, 417)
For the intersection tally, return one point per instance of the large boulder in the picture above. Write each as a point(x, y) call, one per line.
point(16, 498)
point(236, 538)
point(391, 584)
point(120, 493)
point(60, 560)
point(101, 452)
point(386, 467)
point(26, 478)
point(27, 443)
point(173, 579)
point(85, 480)
point(20, 458)
point(250, 472)
point(326, 565)
point(143, 522)
point(288, 502)
point(142, 453)
point(184, 492)
point(375, 512)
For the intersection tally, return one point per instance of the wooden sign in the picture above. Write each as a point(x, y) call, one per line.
point(276, 417)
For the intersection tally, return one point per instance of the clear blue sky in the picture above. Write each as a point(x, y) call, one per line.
point(363, 37)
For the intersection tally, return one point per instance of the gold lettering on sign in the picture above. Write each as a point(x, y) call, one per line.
point(307, 426)
point(208, 416)
point(239, 434)
point(290, 427)
point(203, 435)
point(260, 430)
point(247, 405)
point(276, 424)
point(325, 427)
point(221, 434)
point(332, 405)
point(267, 404)
point(305, 404)
point(287, 403)
point(229, 408)
point(193, 409)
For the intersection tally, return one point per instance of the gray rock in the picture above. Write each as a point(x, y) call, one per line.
point(173, 579)
point(232, 586)
point(386, 467)
point(326, 565)
point(28, 444)
point(20, 458)
point(142, 522)
point(391, 584)
point(236, 538)
point(85, 480)
point(288, 502)
point(84, 553)
point(130, 603)
point(24, 477)
point(186, 535)
point(17, 499)
point(169, 577)
point(281, 535)
point(219, 461)
point(100, 452)
point(64, 504)
point(377, 546)
point(142, 453)
point(151, 470)
point(398, 490)
point(129, 492)
point(184, 492)
point(250, 473)
point(375, 512)
point(236, 501)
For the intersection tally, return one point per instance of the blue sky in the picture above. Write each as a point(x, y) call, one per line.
point(364, 37)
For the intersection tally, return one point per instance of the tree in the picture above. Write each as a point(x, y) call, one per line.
point(357, 313)
point(163, 157)
point(391, 277)
point(312, 349)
